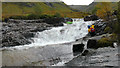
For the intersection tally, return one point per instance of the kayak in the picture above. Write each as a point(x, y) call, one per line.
point(69, 22)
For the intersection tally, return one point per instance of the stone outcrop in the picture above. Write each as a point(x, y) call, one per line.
point(20, 32)
point(91, 18)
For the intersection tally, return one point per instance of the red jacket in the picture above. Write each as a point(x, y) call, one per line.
point(92, 30)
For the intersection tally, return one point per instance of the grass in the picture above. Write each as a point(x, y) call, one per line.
point(23, 9)
point(107, 41)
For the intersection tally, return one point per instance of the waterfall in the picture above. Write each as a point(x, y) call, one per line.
point(67, 33)
point(63, 34)
point(37, 52)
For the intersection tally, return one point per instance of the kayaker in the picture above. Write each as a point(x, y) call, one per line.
point(91, 30)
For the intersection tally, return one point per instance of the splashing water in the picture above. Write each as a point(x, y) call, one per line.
point(64, 34)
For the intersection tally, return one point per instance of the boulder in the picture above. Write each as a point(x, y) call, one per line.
point(103, 42)
point(68, 19)
point(91, 43)
point(85, 53)
point(100, 27)
point(91, 18)
point(78, 47)
point(87, 18)
point(55, 21)
point(94, 17)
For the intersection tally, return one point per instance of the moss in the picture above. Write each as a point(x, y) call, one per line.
point(104, 42)
point(107, 29)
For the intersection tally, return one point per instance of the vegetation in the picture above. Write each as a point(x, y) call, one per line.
point(117, 25)
point(107, 30)
point(39, 8)
point(104, 42)
point(104, 10)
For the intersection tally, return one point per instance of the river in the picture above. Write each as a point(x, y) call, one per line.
point(50, 47)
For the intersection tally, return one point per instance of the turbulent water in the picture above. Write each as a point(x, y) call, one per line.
point(57, 35)
point(54, 47)
point(48, 47)
point(64, 34)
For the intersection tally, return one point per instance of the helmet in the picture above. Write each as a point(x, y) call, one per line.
point(89, 26)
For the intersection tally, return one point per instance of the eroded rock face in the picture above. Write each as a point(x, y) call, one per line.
point(14, 39)
point(100, 27)
point(14, 34)
point(19, 32)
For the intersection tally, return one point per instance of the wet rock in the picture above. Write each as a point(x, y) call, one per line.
point(85, 53)
point(91, 18)
point(55, 21)
point(68, 19)
point(19, 32)
point(87, 18)
point(14, 39)
point(15, 34)
point(100, 27)
point(78, 47)
point(103, 42)
point(91, 43)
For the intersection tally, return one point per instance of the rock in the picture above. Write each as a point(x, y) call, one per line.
point(115, 12)
point(87, 18)
point(14, 39)
point(28, 35)
point(15, 34)
point(78, 47)
point(91, 18)
point(68, 19)
point(94, 17)
point(105, 42)
point(26, 21)
point(55, 21)
point(91, 43)
point(100, 27)
point(85, 53)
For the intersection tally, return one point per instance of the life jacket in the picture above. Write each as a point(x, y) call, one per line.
point(92, 26)
point(92, 30)
point(89, 30)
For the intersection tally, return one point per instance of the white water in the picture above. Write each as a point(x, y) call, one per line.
point(40, 54)
point(57, 35)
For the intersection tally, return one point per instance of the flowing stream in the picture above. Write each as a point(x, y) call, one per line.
point(58, 35)
point(48, 47)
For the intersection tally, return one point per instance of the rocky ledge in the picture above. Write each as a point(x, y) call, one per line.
point(20, 32)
